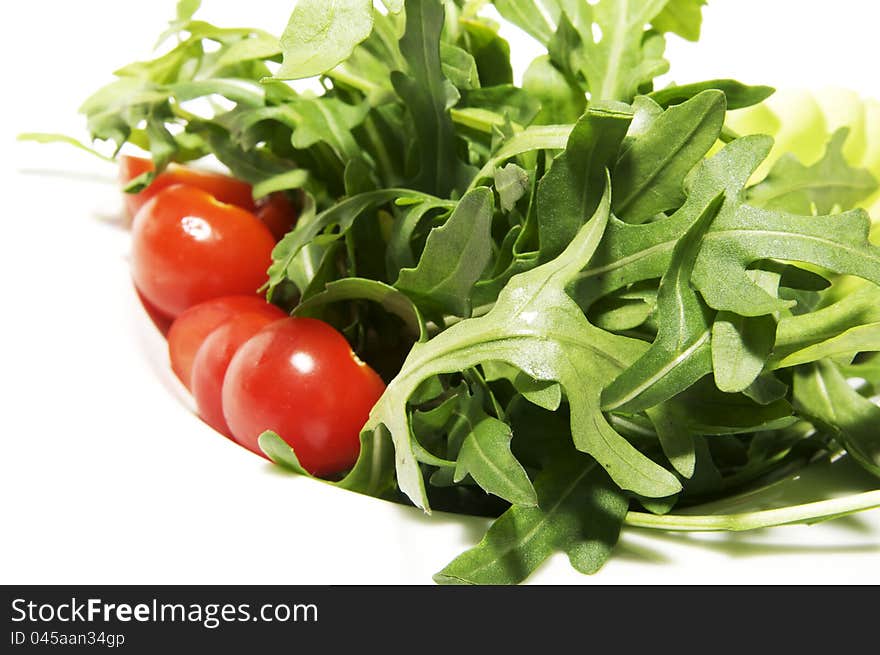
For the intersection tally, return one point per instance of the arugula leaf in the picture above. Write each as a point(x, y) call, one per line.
point(579, 512)
point(632, 253)
point(823, 395)
point(681, 353)
point(682, 17)
point(737, 94)
point(740, 345)
point(537, 328)
point(511, 183)
point(624, 58)
point(649, 176)
point(562, 100)
point(455, 256)
point(830, 331)
point(567, 194)
point(675, 438)
point(44, 137)
point(829, 185)
point(536, 17)
point(738, 239)
point(427, 95)
point(372, 474)
point(459, 66)
point(308, 229)
point(351, 288)
point(485, 456)
point(318, 37)
point(707, 411)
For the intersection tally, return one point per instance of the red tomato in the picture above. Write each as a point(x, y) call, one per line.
point(223, 187)
point(212, 360)
point(191, 328)
point(299, 378)
point(187, 248)
point(277, 213)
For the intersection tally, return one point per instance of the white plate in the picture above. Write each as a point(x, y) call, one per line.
point(106, 475)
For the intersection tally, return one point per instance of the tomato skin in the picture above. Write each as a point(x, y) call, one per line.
point(189, 331)
point(212, 360)
point(277, 213)
point(223, 187)
point(299, 378)
point(187, 248)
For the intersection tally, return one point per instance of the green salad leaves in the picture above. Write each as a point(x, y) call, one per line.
point(595, 302)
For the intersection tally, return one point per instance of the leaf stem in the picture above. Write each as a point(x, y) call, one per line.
point(806, 513)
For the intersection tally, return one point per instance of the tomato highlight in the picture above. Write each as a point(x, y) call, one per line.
point(188, 247)
point(300, 378)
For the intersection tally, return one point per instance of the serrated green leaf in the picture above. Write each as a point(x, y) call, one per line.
point(318, 36)
point(633, 253)
point(681, 353)
point(830, 184)
point(562, 100)
point(682, 17)
point(485, 456)
point(536, 327)
point(649, 177)
point(568, 193)
point(44, 137)
point(579, 512)
point(547, 395)
point(425, 92)
point(827, 331)
point(459, 66)
point(708, 411)
point(838, 242)
point(624, 58)
point(822, 394)
point(342, 214)
point(454, 258)
point(538, 137)
point(862, 338)
point(490, 51)
point(294, 179)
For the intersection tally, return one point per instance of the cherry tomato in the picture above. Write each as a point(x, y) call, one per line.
point(212, 360)
point(191, 328)
point(299, 378)
point(277, 213)
point(223, 187)
point(188, 247)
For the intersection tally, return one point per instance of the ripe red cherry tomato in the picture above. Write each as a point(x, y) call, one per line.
point(299, 378)
point(223, 187)
point(191, 328)
point(277, 213)
point(212, 360)
point(276, 210)
point(187, 248)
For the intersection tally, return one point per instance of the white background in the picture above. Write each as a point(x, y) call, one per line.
point(106, 475)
